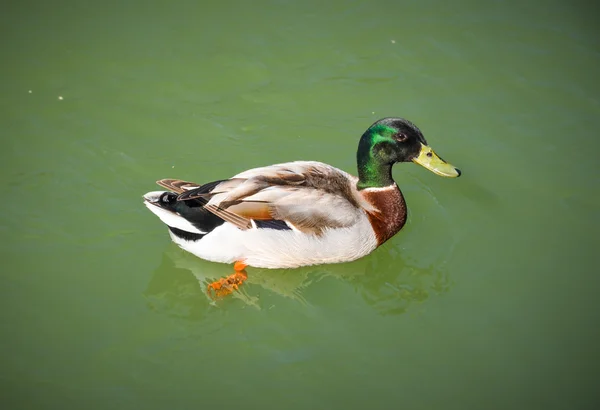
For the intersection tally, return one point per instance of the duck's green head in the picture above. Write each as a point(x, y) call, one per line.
point(392, 140)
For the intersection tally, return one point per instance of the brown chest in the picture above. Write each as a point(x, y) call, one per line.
point(389, 215)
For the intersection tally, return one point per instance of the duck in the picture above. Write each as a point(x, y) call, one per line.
point(299, 213)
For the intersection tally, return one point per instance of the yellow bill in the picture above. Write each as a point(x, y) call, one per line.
point(435, 164)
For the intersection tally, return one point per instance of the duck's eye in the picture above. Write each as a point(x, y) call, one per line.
point(400, 137)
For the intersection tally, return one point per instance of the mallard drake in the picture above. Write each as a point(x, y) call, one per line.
point(298, 213)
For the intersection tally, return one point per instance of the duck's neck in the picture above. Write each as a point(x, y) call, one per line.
point(373, 172)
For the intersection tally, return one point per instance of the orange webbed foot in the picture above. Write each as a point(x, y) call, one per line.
point(225, 286)
point(239, 266)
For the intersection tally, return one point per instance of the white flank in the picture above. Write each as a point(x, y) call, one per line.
point(270, 248)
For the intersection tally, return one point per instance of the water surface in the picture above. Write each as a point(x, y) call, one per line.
point(486, 299)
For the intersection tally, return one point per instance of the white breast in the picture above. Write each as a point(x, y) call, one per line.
point(268, 248)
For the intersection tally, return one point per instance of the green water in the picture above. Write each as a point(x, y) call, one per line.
point(487, 299)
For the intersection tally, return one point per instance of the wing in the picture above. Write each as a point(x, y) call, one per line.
point(178, 186)
point(309, 196)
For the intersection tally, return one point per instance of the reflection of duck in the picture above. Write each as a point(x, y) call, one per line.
point(390, 283)
point(298, 213)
